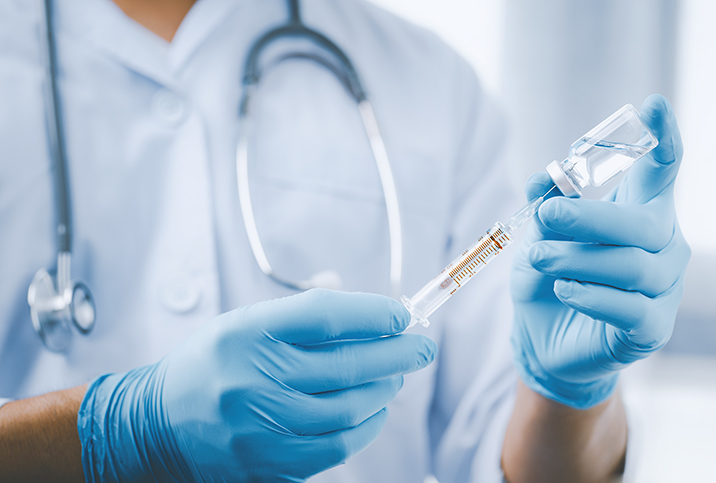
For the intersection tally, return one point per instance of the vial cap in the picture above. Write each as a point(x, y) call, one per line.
point(562, 181)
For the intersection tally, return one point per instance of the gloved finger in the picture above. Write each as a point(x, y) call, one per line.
point(340, 365)
point(321, 315)
point(331, 449)
point(649, 227)
point(332, 411)
point(657, 170)
point(626, 268)
point(647, 322)
point(526, 282)
point(537, 185)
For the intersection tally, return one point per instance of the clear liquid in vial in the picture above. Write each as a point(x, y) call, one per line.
point(595, 161)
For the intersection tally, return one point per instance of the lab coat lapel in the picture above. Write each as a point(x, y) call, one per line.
point(202, 20)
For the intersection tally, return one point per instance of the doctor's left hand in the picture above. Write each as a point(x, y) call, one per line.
point(277, 391)
point(597, 284)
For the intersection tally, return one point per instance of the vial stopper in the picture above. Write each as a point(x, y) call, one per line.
point(562, 181)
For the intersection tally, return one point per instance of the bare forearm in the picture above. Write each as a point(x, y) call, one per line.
point(549, 442)
point(38, 438)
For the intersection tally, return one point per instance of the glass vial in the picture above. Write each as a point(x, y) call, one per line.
point(603, 152)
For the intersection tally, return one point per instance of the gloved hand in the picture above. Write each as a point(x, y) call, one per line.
point(597, 284)
point(277, 391)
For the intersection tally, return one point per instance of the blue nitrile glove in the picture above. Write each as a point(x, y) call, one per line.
point(274, 392)
point(597, 284)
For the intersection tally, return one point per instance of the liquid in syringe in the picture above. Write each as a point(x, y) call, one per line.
point(611, 147)
point(468, 264)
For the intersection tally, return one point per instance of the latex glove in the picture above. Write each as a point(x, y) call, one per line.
point(277, 391)
point(597, 284)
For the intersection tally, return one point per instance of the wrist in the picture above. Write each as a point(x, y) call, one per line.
point(120, 426)
point(575, 394)
point(547, 441)
point(38, 438)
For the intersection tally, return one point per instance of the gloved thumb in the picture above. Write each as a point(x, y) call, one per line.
point(657, 170)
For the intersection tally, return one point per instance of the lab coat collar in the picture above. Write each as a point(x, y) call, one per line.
point(102, 24)
point(203, 19)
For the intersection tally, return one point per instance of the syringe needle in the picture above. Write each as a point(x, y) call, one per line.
point(519, 218)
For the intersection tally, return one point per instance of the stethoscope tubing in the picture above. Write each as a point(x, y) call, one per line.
point(51, 297)
point(56, 136)
point(346, 73)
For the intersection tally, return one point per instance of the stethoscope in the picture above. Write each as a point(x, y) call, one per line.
point(57, 302)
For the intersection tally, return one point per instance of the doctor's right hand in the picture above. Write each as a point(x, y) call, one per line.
point(277, 391)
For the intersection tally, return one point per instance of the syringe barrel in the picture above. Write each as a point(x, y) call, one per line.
point(457, 274)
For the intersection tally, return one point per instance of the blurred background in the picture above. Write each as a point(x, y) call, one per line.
point(559, 68)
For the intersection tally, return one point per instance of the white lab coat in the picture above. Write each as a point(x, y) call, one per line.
point(151, 131)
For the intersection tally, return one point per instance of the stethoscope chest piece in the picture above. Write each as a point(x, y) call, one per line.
point(54, 311)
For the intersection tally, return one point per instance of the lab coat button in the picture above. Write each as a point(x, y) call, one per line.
point(180, 295)
point(169, 107)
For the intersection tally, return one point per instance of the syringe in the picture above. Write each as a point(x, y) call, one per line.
point(608, 149)
point(469, 263)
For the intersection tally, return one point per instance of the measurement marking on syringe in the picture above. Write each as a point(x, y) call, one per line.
point(479, 256)
point(468, 259)
point(492, 237)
